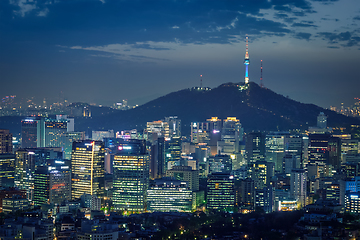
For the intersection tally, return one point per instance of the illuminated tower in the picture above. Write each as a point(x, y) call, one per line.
point(87, 168)
point(247, 62)
point(131, 176)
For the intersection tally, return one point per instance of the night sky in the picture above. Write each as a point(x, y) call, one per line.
point(107, 50)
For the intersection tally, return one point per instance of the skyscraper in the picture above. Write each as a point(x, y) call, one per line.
point(255, 147)
point(55, 132)
point(174, 126)
point(131, 176)
point(298, 186)
point(220, 192)
point(52, 182)
point(33, 132)
point(87, 168)
point(5, 141)
point(172, 150)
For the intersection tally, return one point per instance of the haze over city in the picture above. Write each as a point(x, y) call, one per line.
point(105, 51)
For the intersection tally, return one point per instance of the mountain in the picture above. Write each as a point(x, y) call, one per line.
point(257, 108)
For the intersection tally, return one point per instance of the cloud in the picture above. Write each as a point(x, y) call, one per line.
point(347, 39)
point(303, 24)
point(24, 6)
point(303, 35)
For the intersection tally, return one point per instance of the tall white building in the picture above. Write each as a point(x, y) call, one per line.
point(298, 186)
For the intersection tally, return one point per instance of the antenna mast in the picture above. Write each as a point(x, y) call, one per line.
point(261, 80)
point(200, 81)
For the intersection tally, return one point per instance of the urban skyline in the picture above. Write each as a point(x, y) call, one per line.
point(98, 51)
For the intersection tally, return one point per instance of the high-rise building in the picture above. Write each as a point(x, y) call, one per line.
point(220, 163)
point(185, 174)
point(157, 129)
point(322, 121)
point(298, 186)
point(261, 172)
point(255, 147)
point(55, 132)
point(247, 194)
point(324, 153)
point(71, 137)
point(7, 170)
point(33, 132)
point(87, 168)
point(275, 149)
point(25, 166)
point(131, 176)
point(158, 164)
point(232, 133)
point(174, 126)
point(207, 132)
point(168, 195)
point(220, 192)
point(172, 150)
point(52, 182)
point(100, 135)
point(6, 145)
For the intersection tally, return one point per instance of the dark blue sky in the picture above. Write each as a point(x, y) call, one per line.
point(108, 50)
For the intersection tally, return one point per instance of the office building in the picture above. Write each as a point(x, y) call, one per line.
point(100, 135)
point(55, 131)
point(185, 174)
point(7, 170)
point(220, 163)
point(14, 203)
point(352, 202)
point(25, 165)
point(157, 129)
point(158, 164)
point(71, 137)
point(261, 172)
point(6, 145)
point(174, 126)
point(87, 168)
point(33, 132)
point(322, 120)
point(298, 186)
point(172, 150)
point(9, 192)
point(169, 195)
point(255, 147)
point(275, 149)
point(52, 182)
point(131, 176)
point(207, 132)
point(324, 153)
point(220, 192)
point(247, 194)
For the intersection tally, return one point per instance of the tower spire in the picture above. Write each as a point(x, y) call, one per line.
point(247, 62)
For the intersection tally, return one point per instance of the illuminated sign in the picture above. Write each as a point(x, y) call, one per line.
point(59, 162)
point(124, 148)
